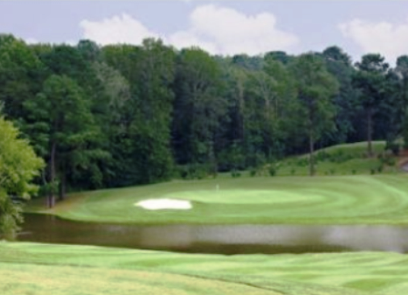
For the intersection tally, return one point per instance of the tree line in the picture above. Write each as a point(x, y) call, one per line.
point(123, 115)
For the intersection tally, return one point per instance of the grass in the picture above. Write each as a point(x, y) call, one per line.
point(358, 199)
point(334, 199)
point(343, 159)
point(29, 268)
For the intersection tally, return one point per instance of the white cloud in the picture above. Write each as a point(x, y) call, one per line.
point(118, 29)
point(227, 31)
point(216, 29)
point(184, 39)
point(388, 39)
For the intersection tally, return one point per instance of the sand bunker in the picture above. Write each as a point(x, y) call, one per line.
point(160, 204)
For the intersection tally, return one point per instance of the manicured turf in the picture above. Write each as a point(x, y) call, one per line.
point(27, 268)
point(358, 199)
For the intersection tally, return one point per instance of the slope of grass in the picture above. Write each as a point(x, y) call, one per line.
point(27, 268)
point(359, 199)
point(343, 159)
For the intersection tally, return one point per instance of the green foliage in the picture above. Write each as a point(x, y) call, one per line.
point(252, 172)
point(195, 171)
point(272, 170)
point(370, 80)
point(315, 87)
point(235, 173)
point(394, 147)
point(386, 159)
point(199, 107)
point(18, 167)
point(122, 115)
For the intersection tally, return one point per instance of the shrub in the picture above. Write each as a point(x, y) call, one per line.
point(272, 170)
point(235, 173)
point(196, 171)
point(386, 160)
point(183, 171)
point(394, 147)
point(293, 171)
point(252, 172)
point(302, 162)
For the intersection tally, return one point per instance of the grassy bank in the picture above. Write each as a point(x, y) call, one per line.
point(27, 268)
point(343, 159)
point(358, 199)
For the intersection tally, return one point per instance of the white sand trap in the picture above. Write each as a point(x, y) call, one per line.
point(160, 204)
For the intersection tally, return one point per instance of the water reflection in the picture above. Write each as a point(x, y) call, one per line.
point(223, 239)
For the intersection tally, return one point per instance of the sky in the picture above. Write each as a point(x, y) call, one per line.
point(220, 27)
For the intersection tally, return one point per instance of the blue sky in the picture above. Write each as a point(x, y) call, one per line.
point(222, 27)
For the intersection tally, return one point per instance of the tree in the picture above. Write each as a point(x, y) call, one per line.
point(346, 101)
point(401, 92)
point(142, 152)
point(20, 75)
point(62, 126)
point(315, 89)
point(199, 107)
point(370, 80)
point(281, 56)
point(18, 166)
point(109, 110)
point(269, 94)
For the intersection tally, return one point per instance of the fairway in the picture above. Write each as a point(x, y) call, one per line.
point(28, 268)
point(358, 199)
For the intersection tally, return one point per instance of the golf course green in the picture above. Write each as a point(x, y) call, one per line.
point(357, 199)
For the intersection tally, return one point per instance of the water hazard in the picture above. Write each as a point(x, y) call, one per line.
point(221, 239)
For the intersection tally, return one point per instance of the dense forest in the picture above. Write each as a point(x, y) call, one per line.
point(123, 115)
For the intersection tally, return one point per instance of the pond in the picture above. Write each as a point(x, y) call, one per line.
point(220, 239)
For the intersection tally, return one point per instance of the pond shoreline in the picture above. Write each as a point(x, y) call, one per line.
point(218, 239)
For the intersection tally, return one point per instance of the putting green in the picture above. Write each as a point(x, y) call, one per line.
point(360, 199)
point(243, 197)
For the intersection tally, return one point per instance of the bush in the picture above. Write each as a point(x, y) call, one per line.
point(387, 160)
point(256, 160)
point(293, 171)
point(353, 171)
point(272, 170)
point(235, 173)
point(393, 147)
point(302, 162)
point(196, 171)
point(252, 172)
